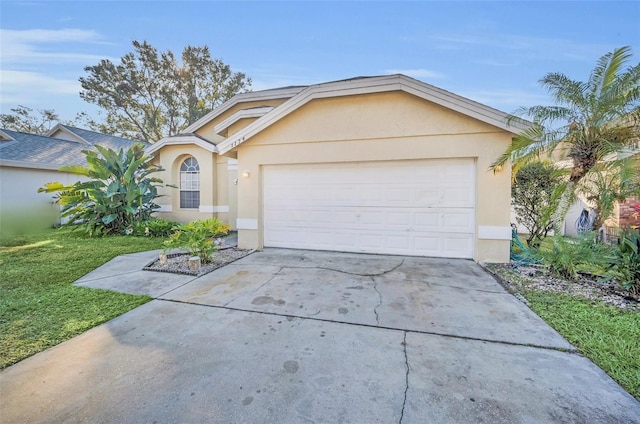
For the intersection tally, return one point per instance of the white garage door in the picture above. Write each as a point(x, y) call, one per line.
point(421, 208)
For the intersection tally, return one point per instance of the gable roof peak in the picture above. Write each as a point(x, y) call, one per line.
point(376, 84)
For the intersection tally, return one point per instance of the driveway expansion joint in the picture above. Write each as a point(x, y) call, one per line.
point(103, 278)
point(572, 350)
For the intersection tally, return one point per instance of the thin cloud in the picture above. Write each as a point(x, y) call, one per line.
point(506, 100)
point(517, 48)
point(416, 73)
point(19, 87)
point(48, 35)
point(26, 46)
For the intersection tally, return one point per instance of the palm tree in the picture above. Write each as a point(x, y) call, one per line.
point(590, 123)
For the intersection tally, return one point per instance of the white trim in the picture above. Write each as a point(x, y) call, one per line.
point(254, 112)
point(6, 137)
point(213, 209)
point(31, 165)
point(251, 96)
point(232, 164)
point(165, 208)
point(60, 127)
point(182, 140)
point(494, 232)
point(246, 224)
point(375, 85)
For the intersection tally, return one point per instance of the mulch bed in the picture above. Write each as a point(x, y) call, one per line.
point(178, 263)
point(524, 278)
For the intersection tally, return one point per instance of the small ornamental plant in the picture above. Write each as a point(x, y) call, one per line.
point(198, 238)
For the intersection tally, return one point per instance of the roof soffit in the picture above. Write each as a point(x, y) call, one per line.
point(251, 96)
point(182, 140)
point(255, 112)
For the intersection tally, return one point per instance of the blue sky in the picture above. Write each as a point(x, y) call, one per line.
point(491, 52)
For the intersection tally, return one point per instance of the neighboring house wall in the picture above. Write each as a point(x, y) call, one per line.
point(628, 215)
point(391, 126)
point(570, 221)
point(29, 161)
point(22, 208)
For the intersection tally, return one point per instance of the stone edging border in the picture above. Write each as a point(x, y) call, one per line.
point(200, 273)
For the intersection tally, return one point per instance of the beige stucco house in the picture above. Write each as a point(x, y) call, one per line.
point(382, 164)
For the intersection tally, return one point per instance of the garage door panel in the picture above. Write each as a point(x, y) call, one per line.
point(411, 208)
point(444, 220)
point(455, 246)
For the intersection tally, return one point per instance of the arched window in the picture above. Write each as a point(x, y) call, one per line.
point(190, 184)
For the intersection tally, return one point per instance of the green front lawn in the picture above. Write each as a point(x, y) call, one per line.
point(609, 336)
point(39, 306)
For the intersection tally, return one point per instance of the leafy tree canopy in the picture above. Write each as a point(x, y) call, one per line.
point(150, 95)
point(24, 119)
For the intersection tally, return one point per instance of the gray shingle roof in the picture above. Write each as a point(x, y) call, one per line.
point(104, 140)
point(41, 150)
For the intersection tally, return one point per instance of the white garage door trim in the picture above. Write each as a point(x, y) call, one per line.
point(417, 207)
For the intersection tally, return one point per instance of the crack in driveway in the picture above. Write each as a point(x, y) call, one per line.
point(375, 310)
point(347, 272)
point(406, 384)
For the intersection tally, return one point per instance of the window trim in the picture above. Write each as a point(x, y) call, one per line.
point(189, 177)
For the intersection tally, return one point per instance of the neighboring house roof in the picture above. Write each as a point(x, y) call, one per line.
point(67, 132)
point(26, 150)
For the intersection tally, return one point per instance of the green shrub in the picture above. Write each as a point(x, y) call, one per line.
point(570, 257)
point(625, 266)
point(155, 227)
point(535, 195)
point(198, 237)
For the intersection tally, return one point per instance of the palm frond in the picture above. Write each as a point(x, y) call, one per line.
point(565, 90)
point(525, 147)
point(606, 70)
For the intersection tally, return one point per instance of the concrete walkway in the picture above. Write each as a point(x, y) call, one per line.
point(286, 336)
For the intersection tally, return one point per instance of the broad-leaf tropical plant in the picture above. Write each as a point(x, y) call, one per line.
point(118, 192)
point(591, 122)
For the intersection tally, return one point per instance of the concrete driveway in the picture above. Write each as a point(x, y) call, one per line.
point(287, 336)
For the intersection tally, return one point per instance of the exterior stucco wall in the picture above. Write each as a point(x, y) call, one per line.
point(380, 127)
point(22, 208)
point(171, 158)
point(217, 189)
